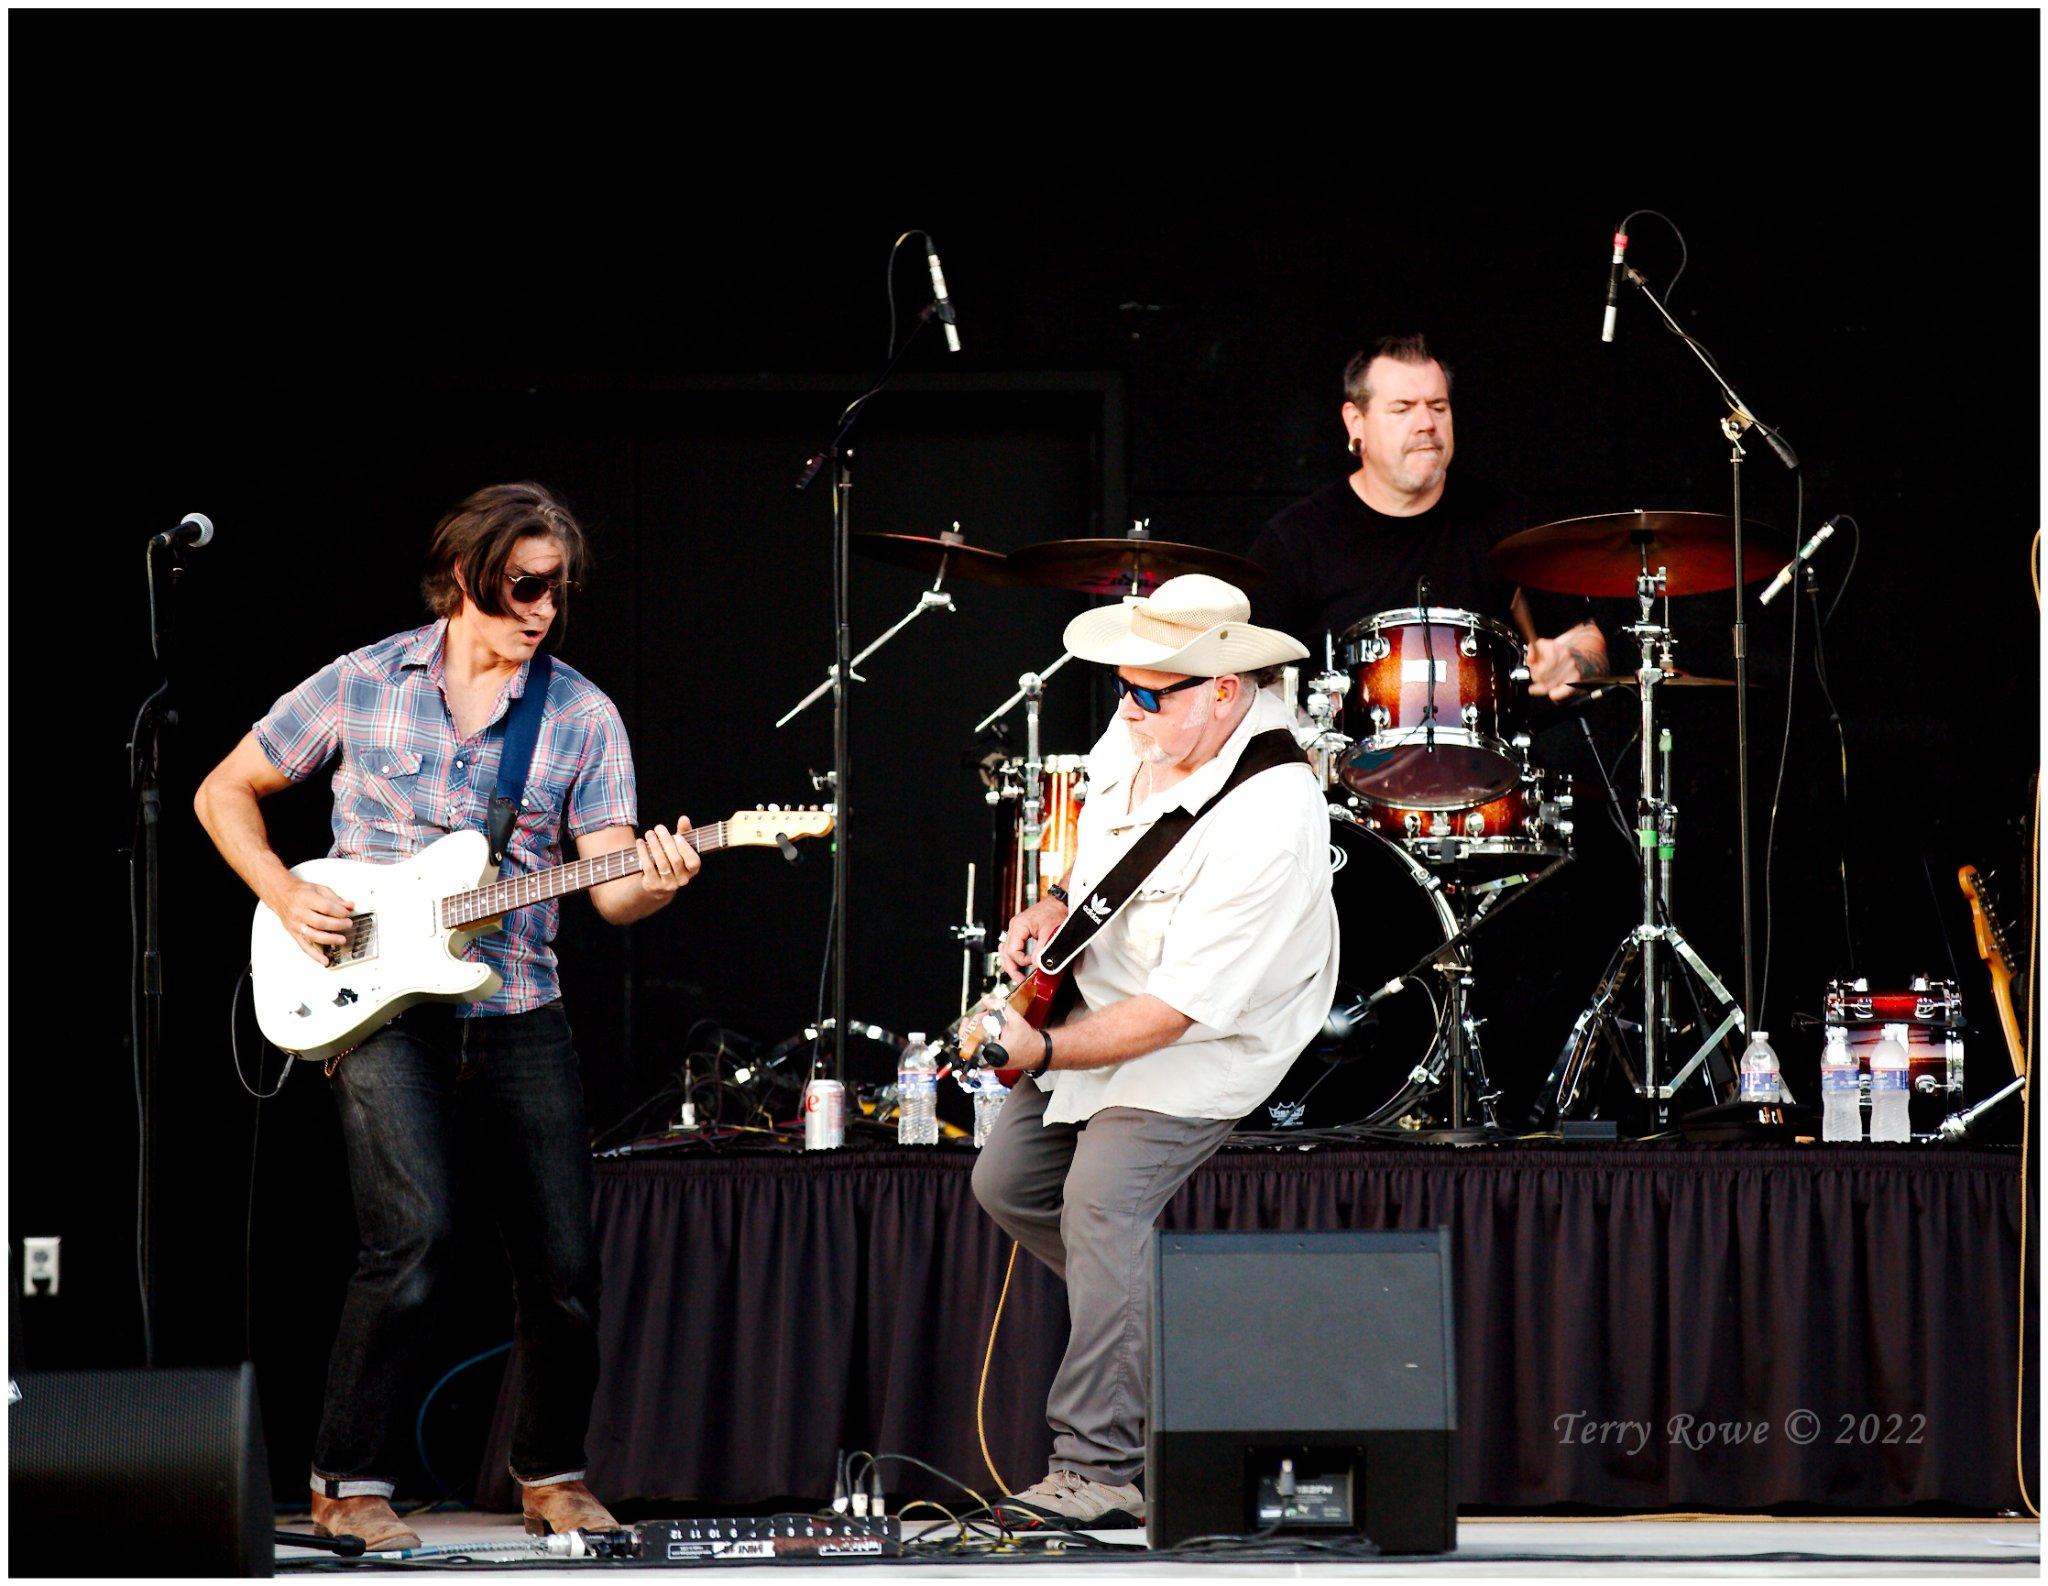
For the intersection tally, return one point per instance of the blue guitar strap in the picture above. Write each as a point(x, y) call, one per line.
point(522, 732)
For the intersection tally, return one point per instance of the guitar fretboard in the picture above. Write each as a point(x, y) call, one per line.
point(488, 902)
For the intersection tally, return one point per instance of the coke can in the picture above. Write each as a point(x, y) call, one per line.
point(824, 1115)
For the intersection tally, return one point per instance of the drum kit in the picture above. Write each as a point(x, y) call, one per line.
point(1418, 729)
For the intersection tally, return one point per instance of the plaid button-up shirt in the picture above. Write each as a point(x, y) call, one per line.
point(403, 780)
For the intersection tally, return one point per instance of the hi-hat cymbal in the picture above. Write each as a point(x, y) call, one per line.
point(1670, 679)
point(1604, 555)
point(1124, 566)
point(959, 559)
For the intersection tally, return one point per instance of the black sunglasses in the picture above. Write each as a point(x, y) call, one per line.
point(1148, 698)
point(529, 587)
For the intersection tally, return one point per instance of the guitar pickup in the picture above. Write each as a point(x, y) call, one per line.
point(344, 997)
point(362, 943)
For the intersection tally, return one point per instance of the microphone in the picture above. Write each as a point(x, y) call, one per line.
point(195, 531)
point(1785, 573)
point(1614, 286)
point(1340, 1022)
point(945, 304)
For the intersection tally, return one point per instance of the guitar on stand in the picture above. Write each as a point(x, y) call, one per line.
point(1997, 955)
point(414, 918)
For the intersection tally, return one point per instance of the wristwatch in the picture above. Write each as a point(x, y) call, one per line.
point(1060, 892)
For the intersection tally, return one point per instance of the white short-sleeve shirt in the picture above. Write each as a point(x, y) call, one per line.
point(1236, 929)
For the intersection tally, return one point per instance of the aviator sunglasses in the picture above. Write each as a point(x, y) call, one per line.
point(1148, 698)
point(529, 587)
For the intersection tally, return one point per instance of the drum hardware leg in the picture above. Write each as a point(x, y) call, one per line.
point(970, 934)
point(1643, 957)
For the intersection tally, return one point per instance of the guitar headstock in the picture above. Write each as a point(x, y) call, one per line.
point(768, 826)
point(1991, 944)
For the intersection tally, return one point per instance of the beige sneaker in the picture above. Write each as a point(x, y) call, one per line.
point(1070, 1500)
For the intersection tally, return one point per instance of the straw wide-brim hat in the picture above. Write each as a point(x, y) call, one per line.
point(1193, 624)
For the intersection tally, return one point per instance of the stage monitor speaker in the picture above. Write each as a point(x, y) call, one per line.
point(136, 1472)
point(1323, 1362)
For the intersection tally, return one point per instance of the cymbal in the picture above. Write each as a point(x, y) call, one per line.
point(1125, 566)
point(961, 560)
point(1669, 679)
point(1603, 555)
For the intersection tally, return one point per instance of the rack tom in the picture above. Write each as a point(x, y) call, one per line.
point(1434, 710)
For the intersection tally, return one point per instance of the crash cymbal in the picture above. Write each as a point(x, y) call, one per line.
point(1125, 566)
point(1603, 555)
point(959, 559)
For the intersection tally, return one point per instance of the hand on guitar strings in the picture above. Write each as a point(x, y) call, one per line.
point(316, 917)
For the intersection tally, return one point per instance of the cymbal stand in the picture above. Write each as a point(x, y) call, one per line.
point(1643, 949)
point(972, 936)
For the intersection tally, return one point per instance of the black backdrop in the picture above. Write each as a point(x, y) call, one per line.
point(320, 274)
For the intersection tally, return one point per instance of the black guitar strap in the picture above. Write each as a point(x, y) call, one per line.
point(522, 732)
point(1275, 747)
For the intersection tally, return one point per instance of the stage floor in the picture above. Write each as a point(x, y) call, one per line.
point(1629, 1546)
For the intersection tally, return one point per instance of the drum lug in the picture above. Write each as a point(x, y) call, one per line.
point(1471, 716)
point(1519, 675)
point(1475, 824)
point(1411, 823)
point(1379, 718)
point(1520, 741)
point(1469, 644)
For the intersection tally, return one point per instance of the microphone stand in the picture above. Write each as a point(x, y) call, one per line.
point(145, 753)
point(840, 456)
point(1734, 425)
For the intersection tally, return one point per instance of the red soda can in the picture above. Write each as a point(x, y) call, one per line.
point(824, 1115)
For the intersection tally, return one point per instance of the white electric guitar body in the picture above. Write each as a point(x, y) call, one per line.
point(413, 919)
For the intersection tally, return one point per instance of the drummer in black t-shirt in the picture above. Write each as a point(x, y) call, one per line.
point(1359, 549)
point(1369, 542)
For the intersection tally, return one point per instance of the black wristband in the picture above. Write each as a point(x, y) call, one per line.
point(1045, 1062)
point(1060, 892)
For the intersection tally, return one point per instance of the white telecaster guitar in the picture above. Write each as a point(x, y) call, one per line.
point(413, 919)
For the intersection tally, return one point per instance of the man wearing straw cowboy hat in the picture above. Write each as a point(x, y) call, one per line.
point(1197, 929)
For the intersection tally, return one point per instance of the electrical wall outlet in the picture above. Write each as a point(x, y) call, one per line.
point(39, 1265)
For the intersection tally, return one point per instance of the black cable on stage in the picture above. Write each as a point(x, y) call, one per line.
point(1820, 672)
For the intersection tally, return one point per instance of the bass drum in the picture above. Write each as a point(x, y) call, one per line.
point(1390, 913)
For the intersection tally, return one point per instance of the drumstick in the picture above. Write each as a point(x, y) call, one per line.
point(1519, 609)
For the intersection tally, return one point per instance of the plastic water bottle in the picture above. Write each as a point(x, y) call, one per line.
point(1841, 1087)
point(1761, 1081)
point(1888, 1094)
point(917, 1094)
point(989, 1095)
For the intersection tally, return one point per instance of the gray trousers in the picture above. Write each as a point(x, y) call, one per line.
point(1082, 1199)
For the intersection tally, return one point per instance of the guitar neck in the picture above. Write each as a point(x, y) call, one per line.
point(460, 909)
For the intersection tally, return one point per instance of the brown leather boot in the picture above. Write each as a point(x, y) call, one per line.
point(367, 1516)
point(564, 1506)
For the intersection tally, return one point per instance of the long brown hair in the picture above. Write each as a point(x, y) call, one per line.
point(477, 538)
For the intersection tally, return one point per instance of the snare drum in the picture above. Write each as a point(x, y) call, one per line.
point(1435, 708)
point(1030, 868)
point(1531, 821)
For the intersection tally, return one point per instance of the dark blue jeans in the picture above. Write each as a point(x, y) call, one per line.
point(406, 1095)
